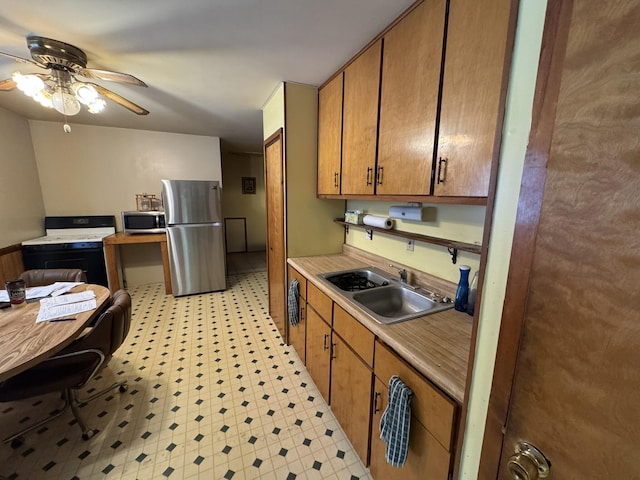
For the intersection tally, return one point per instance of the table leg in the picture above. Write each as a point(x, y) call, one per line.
point(112, 267)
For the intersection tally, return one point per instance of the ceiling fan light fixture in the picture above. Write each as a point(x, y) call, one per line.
point(97, 106)
point(44, 98)
point(30, 85)
point(86, 94)
point(65, 102)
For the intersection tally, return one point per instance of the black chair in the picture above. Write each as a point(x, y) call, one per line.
point(47, 276)
point(72, 368)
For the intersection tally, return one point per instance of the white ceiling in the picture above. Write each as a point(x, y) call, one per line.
point(210, 64)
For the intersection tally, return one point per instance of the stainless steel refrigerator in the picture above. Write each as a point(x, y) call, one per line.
point(195, 235)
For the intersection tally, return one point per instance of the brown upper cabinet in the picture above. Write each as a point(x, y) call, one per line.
point(330, 131)
point(360, 122)
point(473, 93)
point(437, 130)
point(409, 101)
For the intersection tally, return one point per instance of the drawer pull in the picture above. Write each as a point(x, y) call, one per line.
point(376, 408)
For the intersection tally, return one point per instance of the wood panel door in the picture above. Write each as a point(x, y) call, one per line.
point(276, 246)
point(479, 39)
point(330, 136)
point(318, 351)
point(409, 101)
point(360, 122)
point(351, 382)
point(576, 392)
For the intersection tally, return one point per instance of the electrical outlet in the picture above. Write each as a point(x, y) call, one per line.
point(410, 245)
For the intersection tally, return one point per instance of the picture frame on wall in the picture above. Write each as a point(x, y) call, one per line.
point(248, 185)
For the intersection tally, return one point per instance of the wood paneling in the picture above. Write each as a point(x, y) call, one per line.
point(409, 100)
point(276, 246)
point(575, 393)
point(11, 265)
point(330, 136)
point(351, 383)
point(473, 93)
point(360, 121)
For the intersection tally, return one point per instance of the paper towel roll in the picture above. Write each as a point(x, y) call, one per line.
point(380, 222)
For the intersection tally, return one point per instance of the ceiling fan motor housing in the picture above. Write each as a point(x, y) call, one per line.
point(55, 54)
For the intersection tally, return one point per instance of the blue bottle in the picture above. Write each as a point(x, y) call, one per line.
point(462, 293)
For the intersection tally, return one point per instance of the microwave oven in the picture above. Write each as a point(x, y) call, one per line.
point(143, 222)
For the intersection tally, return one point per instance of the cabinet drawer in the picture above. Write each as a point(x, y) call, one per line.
point(430, 407)
point(320, 302)
point(293, 273)
point(357, 336)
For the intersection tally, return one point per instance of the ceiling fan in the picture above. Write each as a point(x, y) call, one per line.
point(59, 88)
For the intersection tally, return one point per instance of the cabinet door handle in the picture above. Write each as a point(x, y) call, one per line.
point(302, 313)
point(379, 176)
point(376, 408)
point(333, 351)
point(369, 171)
point(335, 179)
point(324, 342)
point(442, 161)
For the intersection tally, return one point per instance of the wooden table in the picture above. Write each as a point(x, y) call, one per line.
point(120, 238)
point(24, 343)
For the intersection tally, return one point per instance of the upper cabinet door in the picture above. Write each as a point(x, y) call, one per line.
point(360, 117)
point(473, 94)
point(330, 137)
point(409, 101)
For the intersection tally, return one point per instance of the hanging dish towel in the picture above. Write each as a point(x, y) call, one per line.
point(292, 303)
point(395, 422)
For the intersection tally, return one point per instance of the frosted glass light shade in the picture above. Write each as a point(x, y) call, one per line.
point(65, 103)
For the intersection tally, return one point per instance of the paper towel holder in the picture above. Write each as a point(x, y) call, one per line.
point(412, 211)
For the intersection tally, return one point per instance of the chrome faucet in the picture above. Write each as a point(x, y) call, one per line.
point(402, 272)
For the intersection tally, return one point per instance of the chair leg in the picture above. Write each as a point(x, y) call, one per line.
point(72, 397)
point(122, 386)
point(37, 425)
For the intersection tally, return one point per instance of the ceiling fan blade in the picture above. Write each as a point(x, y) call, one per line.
point(7, 85)
point(98, 74)
point(22, 60)
point(129, 105)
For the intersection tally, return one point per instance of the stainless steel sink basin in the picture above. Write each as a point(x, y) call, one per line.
point(396, 303)
point(382, 296)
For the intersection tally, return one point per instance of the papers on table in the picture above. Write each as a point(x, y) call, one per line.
point(66, 306)
point(54, 290)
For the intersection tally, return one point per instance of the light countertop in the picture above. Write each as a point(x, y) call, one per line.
point(436, 345)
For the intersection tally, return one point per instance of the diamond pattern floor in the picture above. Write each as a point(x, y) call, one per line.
point(213, 394)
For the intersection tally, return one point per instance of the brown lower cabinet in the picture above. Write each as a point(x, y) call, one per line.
point(351, 369)
point(319, 352)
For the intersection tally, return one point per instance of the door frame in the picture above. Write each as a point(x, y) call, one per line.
point(552, 55)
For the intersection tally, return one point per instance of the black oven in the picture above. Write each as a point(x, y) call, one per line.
point(71, 242)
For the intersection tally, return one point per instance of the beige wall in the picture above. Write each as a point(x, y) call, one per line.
point(454, 222)
point(273, 112)
point(310, 227)
point(21, 204)
point(99, 170)
point(249, 206)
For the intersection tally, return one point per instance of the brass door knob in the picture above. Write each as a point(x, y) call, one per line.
point(528, 463)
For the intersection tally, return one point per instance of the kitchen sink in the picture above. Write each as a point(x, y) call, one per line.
point(383, 297)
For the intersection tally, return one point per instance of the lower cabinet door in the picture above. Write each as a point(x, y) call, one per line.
point(427, 459)
point(351, 382)
point(298, 334)
point(318, 351)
